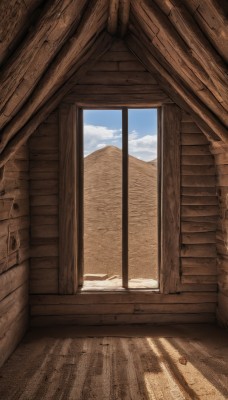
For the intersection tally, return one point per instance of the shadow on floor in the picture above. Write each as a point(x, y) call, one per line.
point(139, 363)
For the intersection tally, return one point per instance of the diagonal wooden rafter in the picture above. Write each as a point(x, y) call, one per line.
point(162, 34)
point(200, 46)
point(92, 52)
point(212, 16)
point(147, 54)
point(16, 16)
point(23, 70)
point(92, 23)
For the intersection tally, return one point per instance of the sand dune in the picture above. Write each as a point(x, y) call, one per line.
point(103, 214)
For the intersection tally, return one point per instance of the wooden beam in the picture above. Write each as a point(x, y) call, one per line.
point(103, 43)
point(30, 60)
point(209, 124)
point(200, 46)
point(124, 11)
point(91, 25)
point(170, 198)
point(68, 255)
point(211, 16)
point(16, 15)
point(113, 16)
point(162, 34)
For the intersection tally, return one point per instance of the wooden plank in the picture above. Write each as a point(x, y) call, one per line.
point(202, 150)
point(198, 250)
point(44, 200)
point(44, 231)
point(118, 89)
point(43, 280)
point(199, 200)
point(189, 126)
point(125, 297)
point(193, 139)
point(198, 238)
point(118, 78)
point(197, 160)
point(170, 219)
point(138, 100)
point(198, 169)
point(198, 226)
point(44, 262)
point(199, 279)
point(120, 309)
point(198, 181)
point(198, 191)
point(67, 202)
point(13, 335)
point(193, 211)
point(122, 319)
point(11, 306)
point(12, 279)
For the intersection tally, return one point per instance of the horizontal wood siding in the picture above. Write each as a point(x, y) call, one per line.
point(44, 191)
point(118, 79)
point(14, 252)
point(220, 152)
point(199, 210)
point(107, 84)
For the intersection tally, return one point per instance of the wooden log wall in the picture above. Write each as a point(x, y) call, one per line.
point(119, 79)
point(220, 152)
point(14, 252)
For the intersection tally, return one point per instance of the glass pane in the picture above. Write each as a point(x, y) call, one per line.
point(102, 199)
point(142, 229)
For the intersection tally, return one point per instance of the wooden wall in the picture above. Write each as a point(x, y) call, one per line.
point(120, 79)
point(220, 152)
point(44, 175)
point(14, 252)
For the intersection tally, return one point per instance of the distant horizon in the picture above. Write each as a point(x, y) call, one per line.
point(104, 128)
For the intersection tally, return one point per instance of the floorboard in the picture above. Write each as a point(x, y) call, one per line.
point(115, 363)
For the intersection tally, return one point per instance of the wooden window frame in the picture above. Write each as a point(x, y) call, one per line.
point(71, 198)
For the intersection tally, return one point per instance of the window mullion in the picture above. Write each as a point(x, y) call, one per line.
point(125, 197)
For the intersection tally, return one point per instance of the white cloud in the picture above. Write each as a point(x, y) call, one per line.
point(144, 147)
point(97, 137)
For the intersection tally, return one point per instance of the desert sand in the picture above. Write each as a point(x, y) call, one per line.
point(103, 215)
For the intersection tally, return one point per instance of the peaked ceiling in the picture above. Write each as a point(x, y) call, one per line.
point(44, 43)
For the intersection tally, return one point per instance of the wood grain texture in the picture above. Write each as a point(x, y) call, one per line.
point(220, 153)
point(68, 258)
point(14, 252)
point(116, 362)
point(170, 218)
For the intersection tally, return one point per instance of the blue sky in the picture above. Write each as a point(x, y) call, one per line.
point(103, 128)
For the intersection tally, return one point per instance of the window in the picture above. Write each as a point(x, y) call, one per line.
point(120, 246)
point(71, 222)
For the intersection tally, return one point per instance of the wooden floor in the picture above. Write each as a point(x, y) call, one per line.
point(140, 363)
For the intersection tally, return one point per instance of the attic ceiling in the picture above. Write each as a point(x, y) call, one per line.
point(44, 43)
